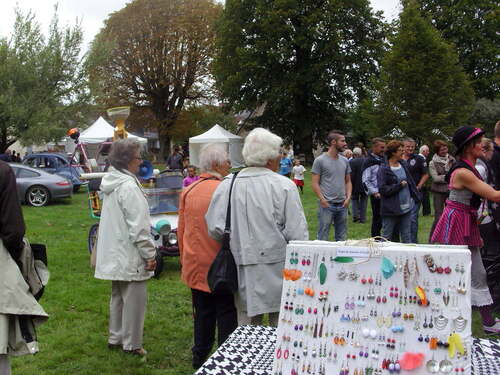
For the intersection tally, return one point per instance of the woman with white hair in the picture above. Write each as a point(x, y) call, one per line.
point(266, 213)
point(197, 252)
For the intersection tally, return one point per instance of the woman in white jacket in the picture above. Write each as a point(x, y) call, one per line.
point(266, 213)
point(125, 249)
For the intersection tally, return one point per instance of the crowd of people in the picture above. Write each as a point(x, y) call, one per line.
point(266, 213)
point(11, 156)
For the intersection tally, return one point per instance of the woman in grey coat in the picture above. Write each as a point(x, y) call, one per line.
point(125, 248)
point(266, 213)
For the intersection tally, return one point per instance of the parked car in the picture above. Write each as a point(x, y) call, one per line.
point(37, 187)
point(55, 163)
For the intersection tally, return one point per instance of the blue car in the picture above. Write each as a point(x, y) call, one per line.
point(56, 164)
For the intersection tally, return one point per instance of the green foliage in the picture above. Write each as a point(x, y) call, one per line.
point(486, 114)
point(361, 123)
point(155, 55)
point(472, 26)
point(422, 86)
point(197, 119)
point(306, 60)
point(42, 84)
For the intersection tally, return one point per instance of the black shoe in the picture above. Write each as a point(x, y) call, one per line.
point(198, 362)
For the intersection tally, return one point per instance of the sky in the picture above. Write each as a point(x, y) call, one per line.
point(92, 13)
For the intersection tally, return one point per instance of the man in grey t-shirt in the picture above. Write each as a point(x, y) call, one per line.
point(331, 181)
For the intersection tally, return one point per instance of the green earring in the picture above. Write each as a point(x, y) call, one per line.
point(322, 271)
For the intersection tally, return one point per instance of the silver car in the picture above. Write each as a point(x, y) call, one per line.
point(37, 188)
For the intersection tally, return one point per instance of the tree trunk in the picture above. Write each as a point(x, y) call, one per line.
point(304, 145)
point(5, 143)
point(164, 146)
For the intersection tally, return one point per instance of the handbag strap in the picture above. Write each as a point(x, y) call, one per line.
point(227, 229)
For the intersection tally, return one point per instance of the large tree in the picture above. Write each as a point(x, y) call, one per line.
point(472, 26)
point(422, 86)
point(304, 61)
point(155, 55)
point(42, 83)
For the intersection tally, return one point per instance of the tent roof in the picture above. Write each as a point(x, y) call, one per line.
point(216, 134)
point(100, 131)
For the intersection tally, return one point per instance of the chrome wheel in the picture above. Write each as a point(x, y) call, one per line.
point(37, 196)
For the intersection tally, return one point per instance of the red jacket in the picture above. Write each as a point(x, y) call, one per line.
point(197, 248)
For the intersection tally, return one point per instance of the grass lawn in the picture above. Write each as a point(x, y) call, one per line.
point(74, 339)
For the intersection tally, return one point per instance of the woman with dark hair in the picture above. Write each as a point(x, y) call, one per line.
point(458, 223)
point(398, 193)
point(125, 248)
point(438, 168)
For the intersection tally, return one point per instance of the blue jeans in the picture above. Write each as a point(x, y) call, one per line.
point(359, 202)
point(414, 222)
point(402, 221)
point(336, 214)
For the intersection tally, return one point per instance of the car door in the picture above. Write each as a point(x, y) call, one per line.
point(20, 189)
point(24, 179)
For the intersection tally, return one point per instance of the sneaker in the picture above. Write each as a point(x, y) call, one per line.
point(493, 330)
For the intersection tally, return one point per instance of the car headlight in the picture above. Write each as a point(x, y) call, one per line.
point(172, 238)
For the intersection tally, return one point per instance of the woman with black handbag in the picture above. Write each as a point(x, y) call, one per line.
point(197, 252)
point(266, 213)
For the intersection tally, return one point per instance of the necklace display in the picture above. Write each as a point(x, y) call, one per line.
point(365, 317)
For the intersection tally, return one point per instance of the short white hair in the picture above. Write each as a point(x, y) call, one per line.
point(357, 151)
point(211, 156)
point(423, 148)
point(261, 146)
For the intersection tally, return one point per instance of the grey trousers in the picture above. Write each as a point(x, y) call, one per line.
point(4, 364)
point(4, 345)
point(439, 200)
point(127, 311)
point(244, 319)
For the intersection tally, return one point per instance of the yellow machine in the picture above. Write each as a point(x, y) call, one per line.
point(119, 115)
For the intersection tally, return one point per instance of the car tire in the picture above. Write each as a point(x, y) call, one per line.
point(92, 238)
point(38, 196)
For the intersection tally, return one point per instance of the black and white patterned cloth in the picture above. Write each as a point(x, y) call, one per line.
point(250, 349)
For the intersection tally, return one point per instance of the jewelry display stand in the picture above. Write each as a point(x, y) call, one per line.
point(371, 308)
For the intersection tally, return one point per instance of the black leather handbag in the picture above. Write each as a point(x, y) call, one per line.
point(222, 275)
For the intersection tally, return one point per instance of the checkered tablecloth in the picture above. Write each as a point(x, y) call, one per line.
point(249, 351)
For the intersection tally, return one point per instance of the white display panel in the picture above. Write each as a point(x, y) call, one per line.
point(350, 319)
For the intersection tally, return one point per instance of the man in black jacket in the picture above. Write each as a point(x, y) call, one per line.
point(359, 198)
point(11, 216)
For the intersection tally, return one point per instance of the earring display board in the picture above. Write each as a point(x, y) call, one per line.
point(373, 309)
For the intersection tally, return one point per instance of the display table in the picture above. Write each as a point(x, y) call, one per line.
point(365, 308)
point(250, 350)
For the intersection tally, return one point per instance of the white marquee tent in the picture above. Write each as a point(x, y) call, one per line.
point(92, 138)
point(100, 131)
point(217, 134)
